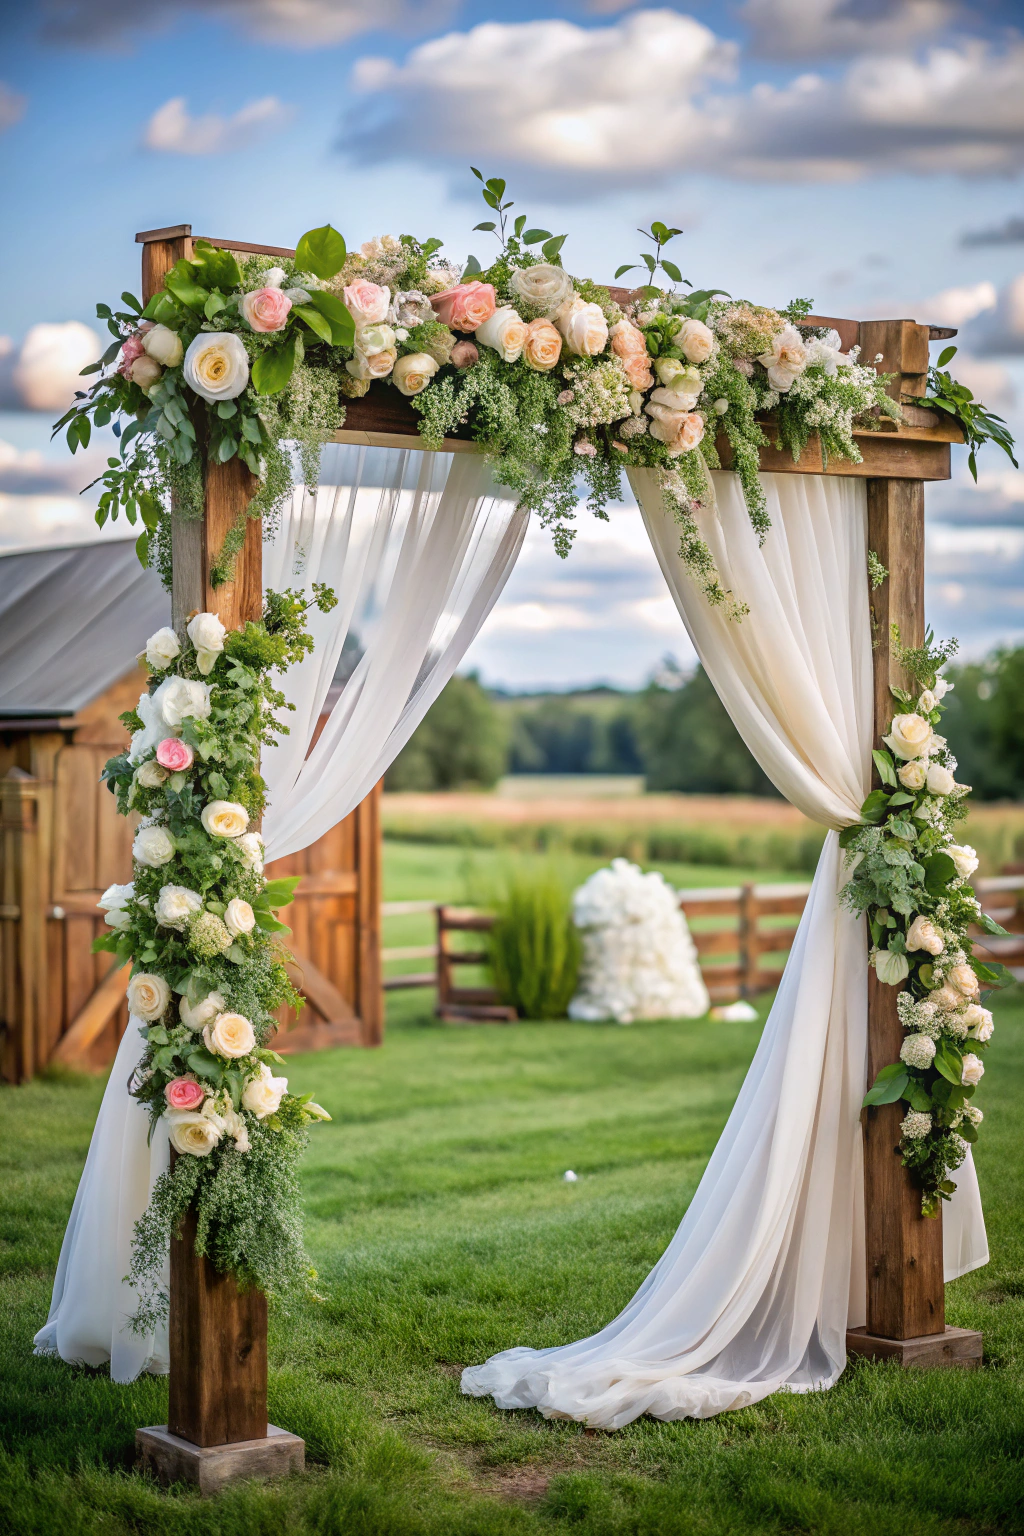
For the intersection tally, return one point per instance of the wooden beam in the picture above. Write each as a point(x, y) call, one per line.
point(90, 1023)
point(321, 991)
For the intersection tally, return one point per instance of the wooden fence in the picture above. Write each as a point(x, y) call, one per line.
point(742, 933)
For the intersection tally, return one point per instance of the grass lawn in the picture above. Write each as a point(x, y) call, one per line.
point(442, 1231)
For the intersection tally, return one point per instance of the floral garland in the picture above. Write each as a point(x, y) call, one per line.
point(554, 377)
point(198, 925)
point(912, 880)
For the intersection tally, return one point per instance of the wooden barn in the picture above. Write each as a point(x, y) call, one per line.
point(71, 618)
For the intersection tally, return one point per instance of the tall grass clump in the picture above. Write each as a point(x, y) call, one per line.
point(534, 947)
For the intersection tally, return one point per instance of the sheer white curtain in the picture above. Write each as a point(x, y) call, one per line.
point(417, 547)
point(766, 1271)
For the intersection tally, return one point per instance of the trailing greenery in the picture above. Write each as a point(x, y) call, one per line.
point(910, 878)
point(534, 946)
point(979, 425)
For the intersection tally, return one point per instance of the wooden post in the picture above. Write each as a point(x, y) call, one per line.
point(218, 1332)
point(906, 1317)
point(22, 927)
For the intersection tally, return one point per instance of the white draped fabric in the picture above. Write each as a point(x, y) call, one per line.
point(417, 547)
point(766, 1271)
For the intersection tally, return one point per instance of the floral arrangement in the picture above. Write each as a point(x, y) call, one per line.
point(911, 878)
point(639, 961)
point(557, 378)
point(198, 924)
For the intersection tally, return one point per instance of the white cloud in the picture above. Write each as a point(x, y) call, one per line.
point(172, 131)
point(291, 23)
point(644, 99)
point(12, 107)
point(999, 332)
point(814, 29)
point(43, 374)
point(28, 472)
point(955, 306)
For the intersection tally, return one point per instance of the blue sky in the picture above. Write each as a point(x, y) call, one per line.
point(864, 154)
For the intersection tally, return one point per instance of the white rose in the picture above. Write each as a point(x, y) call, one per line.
point(964, 979)
point(544, 288)
point(941, 688)
point(153, 846)
point(148, 995)
point(414, 372)
point(230, 1035)
point(964, 857)
point(584, 327)
point(695, 341)
point(250, 846)
point(207, 635)
point(217, 365)
point(151, 775)
point(112, 904)
point(912, 775)
point(204, 1011)
point(225, 818)
point(923, 934)
point(979, 1021)
point(162, 648)
point(927, 702)
point(972, 1071)
point(940, 780)
point(175, 905)
point(164, 345)
point(410, 308)
point(909, 736)
point(505, 332)
point(787, 359)
point(262, 1095)
point(371, 339)
point(221, 1112)
point(891, 968)
point(274, 278)
point(239, 917)
point(177, 697)
point(191, 1132)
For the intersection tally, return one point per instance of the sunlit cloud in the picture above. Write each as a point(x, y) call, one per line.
point(171, 130)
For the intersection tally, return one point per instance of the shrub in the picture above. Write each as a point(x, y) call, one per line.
point(534, 947)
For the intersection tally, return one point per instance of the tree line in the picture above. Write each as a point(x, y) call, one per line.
point(676, 733)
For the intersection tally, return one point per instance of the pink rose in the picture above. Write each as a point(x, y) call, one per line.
point(465, 354)
point(465, 307)
point(630, 347)
point(131, 348)
point(174, 755)
point(367, 303)
point(266, 309)
point(184, 1093)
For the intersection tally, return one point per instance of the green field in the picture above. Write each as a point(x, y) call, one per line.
point(442, 1231)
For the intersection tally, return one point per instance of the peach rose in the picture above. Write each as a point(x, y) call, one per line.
point(584, 327)
point(465, 307)
point(266, 309)
point(542, 346)
point(367, 303)
point(680, 431)
point(184, 1093)
point(629, 346)
point(174, 755)
point(505, 332)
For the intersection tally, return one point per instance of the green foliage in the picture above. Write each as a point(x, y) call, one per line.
point(659, 235)
point(985, 724)
point(320, 251)
point(688, 742)
point(979, 425)
point(461, 740)
point(534, 946)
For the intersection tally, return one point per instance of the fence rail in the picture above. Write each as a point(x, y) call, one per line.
point(742, 934)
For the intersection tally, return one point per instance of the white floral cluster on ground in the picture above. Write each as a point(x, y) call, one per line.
point(639, 960)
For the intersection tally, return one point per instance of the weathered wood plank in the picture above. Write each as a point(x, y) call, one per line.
point(86, 1028)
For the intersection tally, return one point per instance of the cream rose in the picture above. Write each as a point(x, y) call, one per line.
point(221, 1112)
point(979, 1021)
point(963, 978)
point(367, 303)
point(584, 327)
point(239, 917)
point(946, 998)
point(148, 995)
point(204, 1012)
point(787, 359)
point(695, 341)
point(414, 372)
point(505, 332)
point(940, 781)
point(262, 1095)
point(250, 846)
point(909, 736)
point(542, 346)
point(543, 288)
point(175, 905)
point(923, 934)
point(153, 846)
point(217, 365)
point(164, 346)
point(927, 702)
point(150, 774)
point(972, 1071)
point(230, 1035)
point(112, 904)
point(144, 372)
point(162, 648)
point(964, 857)
point(225, 818)
point(891, 968)
point(941, 687)
point(178, 697)
point(912, 775)
point(207, 635)
point(372, 365)
point(192, 1132)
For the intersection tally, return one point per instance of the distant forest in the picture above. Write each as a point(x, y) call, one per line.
point(677, 734)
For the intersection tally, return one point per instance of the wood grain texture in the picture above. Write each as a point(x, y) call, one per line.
point(218, 1350)
point(903, 1248)
point(229, 489)
point(210, 1469)
point(74, 1045)
point(369, 993)
point(952, 1347)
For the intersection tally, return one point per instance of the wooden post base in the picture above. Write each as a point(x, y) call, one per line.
point(211, 1468)
point(954, 1346)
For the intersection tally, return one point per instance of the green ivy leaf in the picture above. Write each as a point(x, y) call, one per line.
point(875, 806)
point(273, 368)
point(884, 764)
point(280, 892)
point(215, 267)
point(939, 871)
point(318, 323)
point(163, 310)
point(342, 325)
point(322, 252)
point(889, 1085)
point(181, 282)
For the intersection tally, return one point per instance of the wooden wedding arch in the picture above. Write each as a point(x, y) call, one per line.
point(217, 1427)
